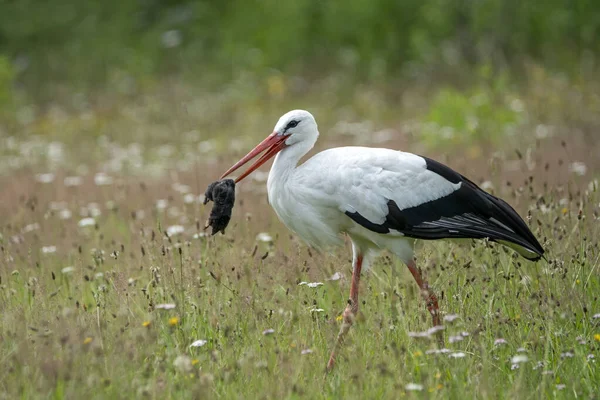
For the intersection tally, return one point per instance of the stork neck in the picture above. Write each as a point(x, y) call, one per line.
point(287, 160)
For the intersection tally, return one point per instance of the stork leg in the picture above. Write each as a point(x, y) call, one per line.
point(350, 311)
point(430, 298)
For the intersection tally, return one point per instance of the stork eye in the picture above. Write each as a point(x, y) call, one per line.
point(291, 124)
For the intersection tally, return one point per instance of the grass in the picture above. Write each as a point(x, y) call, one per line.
point(108, 307)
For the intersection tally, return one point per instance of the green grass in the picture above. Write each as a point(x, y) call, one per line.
point(94, 330)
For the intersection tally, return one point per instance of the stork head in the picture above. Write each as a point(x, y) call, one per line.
point(293, 128)
point(296, 126)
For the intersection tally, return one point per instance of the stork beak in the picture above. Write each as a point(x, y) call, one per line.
point(274, 143)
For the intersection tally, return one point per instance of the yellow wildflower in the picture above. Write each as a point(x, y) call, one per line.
point(87, 340)
point(146, 324)
point(417, 353)
point(173, 321)
point(339, 318)
point(597, 337)
point(564, 210)
point(195, 361)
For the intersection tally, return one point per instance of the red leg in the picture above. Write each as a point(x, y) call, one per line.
point(350, 311)
point(428, 295)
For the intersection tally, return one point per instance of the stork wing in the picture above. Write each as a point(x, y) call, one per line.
point(388, 191)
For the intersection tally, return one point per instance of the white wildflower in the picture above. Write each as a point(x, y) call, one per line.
point(419, 335)
point(451, 317)
point(488, 186)
point(64, 214)
point(165, 306)
point(411, 387)
point(31, 227)
point(540, 364)
point(86, 222)
point(175, 230)
point(427, 334)
point(264, 237)
point(519, 358)
point(335, 277)
point(189, 198)
point(435, 329)
point(45, 178)
point(198, 343)
point(161, 204)
point(311, 284)
point(101, 179)
point(48, 249)
point(578, 168)
point(454, 339)
point(93, 210)
point(438, 351)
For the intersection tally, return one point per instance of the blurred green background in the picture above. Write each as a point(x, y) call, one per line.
point(149, 70)
point(86, 45)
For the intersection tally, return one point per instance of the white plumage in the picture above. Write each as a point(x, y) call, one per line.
point(380, 198)
point(313, 199)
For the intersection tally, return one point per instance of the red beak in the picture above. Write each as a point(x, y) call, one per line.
point(274, 143)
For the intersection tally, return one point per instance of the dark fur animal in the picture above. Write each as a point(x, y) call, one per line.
point(223, 194)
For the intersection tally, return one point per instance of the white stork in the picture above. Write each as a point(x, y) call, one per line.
point(381, 199)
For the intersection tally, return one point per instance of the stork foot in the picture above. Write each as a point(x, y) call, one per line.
point(348, 318)
point(430, 299)
point(351, 309)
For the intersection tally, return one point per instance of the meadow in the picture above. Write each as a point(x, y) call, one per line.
point(110, 287)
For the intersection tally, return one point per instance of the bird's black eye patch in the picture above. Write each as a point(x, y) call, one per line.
point(292, 124)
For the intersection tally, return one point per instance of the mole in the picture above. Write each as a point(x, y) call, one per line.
point(222, 193)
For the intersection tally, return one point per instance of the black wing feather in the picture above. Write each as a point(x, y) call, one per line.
point(469, 212)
